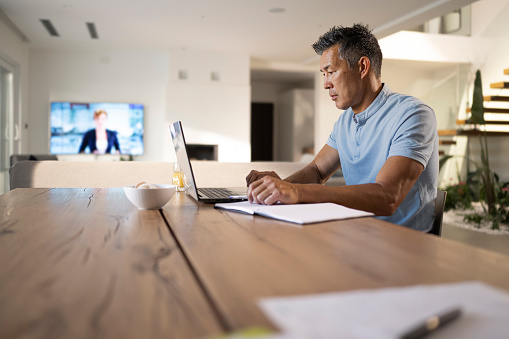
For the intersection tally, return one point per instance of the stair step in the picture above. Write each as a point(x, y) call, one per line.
point(472, 132)
point(492, 110)
point(496, 98)
point(447, 142)
point(447, 132)
point(488, 122)
point(503, 84)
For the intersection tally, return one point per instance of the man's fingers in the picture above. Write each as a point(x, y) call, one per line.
point(271, 199)
point(251, 195)
point(248, 178)
point(272, 192)
point(262, 195)
point(261, 189)
point(269, 190)
point(257, 191)
point(254, 190)
point(254, 175)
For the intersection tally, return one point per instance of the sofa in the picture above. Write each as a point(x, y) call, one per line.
point(32, 157)
point(70, 174)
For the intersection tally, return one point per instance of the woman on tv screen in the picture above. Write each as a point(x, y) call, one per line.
point(100, 140)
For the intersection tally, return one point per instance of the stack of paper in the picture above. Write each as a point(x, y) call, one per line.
point(389, 313)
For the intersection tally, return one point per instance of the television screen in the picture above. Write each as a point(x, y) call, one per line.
point(99, 128)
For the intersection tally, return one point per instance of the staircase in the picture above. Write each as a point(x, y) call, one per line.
point(502, 112)
point(464, 127)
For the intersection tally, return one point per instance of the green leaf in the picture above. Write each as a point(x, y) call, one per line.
point(477, 111)
point(443, 160)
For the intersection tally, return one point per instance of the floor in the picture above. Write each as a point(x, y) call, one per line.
point(496, 243)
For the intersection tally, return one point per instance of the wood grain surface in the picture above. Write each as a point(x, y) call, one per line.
point(240, 258)
point(85, 263)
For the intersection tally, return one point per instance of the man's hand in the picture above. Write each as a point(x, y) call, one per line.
point(255, 175)
point(269, 190)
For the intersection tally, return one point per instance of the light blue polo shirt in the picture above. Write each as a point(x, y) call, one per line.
point(393, 125)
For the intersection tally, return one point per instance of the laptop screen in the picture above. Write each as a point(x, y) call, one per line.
point(179, 143)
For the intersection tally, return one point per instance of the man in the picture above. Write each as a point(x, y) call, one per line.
point(385, 143)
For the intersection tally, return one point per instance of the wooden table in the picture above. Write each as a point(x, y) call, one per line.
point(85, 263)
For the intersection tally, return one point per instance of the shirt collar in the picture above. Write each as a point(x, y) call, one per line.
point(379, 101)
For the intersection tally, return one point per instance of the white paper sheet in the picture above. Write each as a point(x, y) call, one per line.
point(297, 213)
point(388, 313)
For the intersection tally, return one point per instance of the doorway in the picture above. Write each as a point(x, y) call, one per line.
point(262, 131)
point(9, 131)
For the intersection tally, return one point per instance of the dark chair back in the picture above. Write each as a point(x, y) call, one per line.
point(436, 229)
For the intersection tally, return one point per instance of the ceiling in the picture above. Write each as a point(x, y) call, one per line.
point(240, 26)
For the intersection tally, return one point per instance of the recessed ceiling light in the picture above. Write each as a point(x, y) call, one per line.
point(277, 10)
point(49, 27)
point(92, 30)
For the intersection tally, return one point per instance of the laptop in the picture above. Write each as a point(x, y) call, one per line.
point(206, 195)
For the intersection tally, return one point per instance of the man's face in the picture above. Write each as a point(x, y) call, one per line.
point(343, 83)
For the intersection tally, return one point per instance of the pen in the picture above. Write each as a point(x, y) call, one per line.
point(432, 323)
point(238, 197)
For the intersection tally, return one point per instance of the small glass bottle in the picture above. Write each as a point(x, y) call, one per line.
point(178, 177)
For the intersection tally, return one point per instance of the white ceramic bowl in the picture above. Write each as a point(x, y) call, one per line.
point(150, 198)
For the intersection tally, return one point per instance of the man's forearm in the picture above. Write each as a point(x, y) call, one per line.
point(371, 197)
point(308, 175)
point(382, 197)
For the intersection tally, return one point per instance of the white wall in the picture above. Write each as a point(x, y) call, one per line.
point(489, 49)
point(212, 111)
point(326, 113)
point(437, 84)
point(295, 124)
point(441, 86)
point(270, 92)
point(490, 33)
point(133, 77)
point(419, 46)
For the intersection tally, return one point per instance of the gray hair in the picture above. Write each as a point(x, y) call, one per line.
point(353, 43)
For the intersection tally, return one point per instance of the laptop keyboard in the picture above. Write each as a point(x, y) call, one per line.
point(215, 193)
